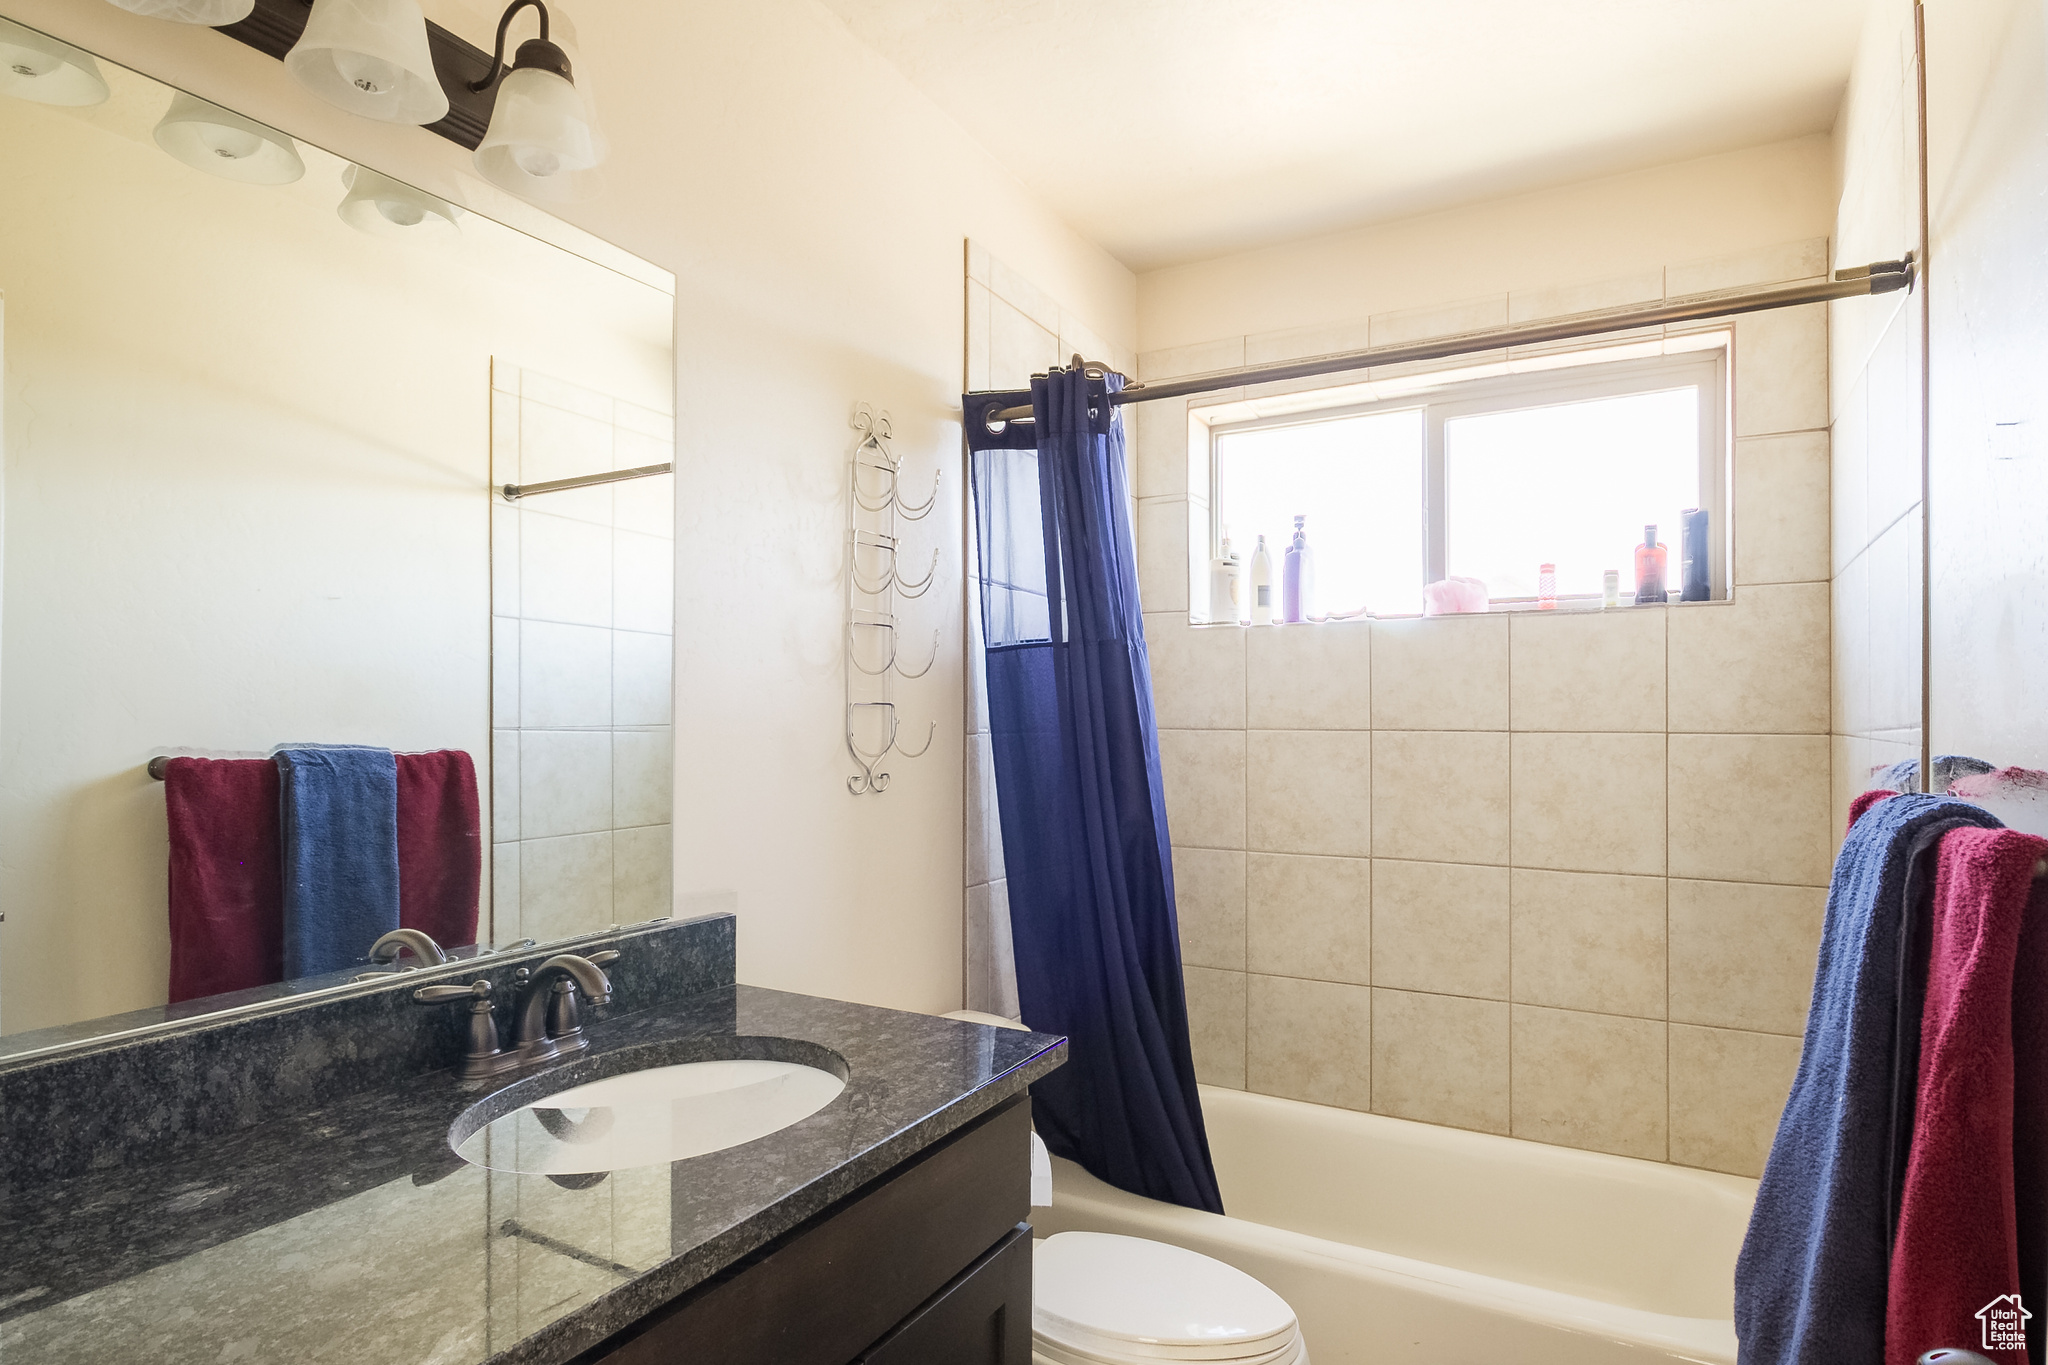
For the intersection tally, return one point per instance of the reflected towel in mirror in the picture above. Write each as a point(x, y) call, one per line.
point(226, 893)
point(440, 845)
point(339, 820)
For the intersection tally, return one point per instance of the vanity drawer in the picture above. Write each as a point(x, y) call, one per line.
point(982, 1318)
point(828, 1290)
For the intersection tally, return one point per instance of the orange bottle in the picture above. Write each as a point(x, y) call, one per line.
point(1650, 559)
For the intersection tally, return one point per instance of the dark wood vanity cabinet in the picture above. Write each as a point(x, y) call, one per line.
point(929, 1263)
point(982, 1318)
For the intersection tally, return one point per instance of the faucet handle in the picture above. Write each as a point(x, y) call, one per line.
point(435, 995)
point(485, 1057)
point(605, 958)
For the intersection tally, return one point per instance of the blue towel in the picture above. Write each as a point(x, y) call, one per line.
point(1810, 1282)
point(339, 818)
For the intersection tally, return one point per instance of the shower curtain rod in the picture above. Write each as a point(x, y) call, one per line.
point(1879, 277)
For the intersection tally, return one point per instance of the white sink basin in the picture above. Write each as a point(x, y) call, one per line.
point(650, 1117)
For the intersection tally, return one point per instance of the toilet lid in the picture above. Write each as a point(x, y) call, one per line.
point(1046, 1352)
point(1121, 1298)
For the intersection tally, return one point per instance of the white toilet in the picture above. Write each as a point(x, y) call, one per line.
point(1101, 1299)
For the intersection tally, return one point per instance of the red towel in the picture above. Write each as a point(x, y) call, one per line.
point(1955, 1272)
point(2030, 1105)
point(440, 846)
point(226, 893)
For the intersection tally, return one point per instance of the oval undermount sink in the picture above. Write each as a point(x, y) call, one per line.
point(652, 1116)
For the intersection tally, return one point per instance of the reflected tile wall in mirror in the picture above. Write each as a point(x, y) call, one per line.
point(583, 607)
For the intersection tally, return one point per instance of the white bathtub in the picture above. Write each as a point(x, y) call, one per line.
point(1404, 1243)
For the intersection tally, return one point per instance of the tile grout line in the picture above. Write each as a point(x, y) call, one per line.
point(612, 667)
point(1372, 815)
point(1245, 839)
point(1732, 497)
point(1510, 1010)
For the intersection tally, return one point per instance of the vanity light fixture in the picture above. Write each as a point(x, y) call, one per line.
point(221, 142)
point(540, 143)
point(211, 13)
point(370, 57)
point(38, 68)
point(384, 207)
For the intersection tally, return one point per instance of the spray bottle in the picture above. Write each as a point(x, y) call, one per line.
point(1226, 589)
point(1262, 585)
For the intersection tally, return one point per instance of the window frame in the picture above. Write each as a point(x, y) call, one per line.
point(1705, 369)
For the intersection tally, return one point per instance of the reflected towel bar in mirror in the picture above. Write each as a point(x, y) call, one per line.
point(515, 491)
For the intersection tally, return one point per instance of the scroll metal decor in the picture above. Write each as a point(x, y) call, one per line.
point(880, 573)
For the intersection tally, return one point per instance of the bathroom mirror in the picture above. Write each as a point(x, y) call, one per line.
point(259, 408)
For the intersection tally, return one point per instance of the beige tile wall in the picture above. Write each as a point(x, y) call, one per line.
point(1876, 588)
point(1554, 875)
point(1874, 372)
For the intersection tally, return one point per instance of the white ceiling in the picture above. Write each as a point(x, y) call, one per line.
point(1171, 130)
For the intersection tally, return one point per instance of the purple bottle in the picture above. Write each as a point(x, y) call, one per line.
point(1297, 577)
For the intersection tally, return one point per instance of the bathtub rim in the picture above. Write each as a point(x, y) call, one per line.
point(1707, 1341)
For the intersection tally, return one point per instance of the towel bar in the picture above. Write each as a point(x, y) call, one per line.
point(515, 491)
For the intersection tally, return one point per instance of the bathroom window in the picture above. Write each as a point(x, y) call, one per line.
point(1485, 479)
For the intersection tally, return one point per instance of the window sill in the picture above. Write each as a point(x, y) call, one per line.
point(1507, 607)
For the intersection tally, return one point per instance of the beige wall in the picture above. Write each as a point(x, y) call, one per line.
point(246, 455)
point(1593, 231)
point(812, 206)
point(1554, 875)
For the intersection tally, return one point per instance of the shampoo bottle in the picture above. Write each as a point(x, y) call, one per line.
point(1695, 581)
point(1650, 569)
point(1298, 577)
point(1225, 590)
point(1262, 585)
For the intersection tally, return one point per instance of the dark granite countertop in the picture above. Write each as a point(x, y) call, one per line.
point(351, 1232)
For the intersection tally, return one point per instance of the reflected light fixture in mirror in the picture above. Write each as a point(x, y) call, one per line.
point(370, 57)
point(384, 207)
point(212, 13)
point(221, 142)
point(45, 71)
point(541, 143)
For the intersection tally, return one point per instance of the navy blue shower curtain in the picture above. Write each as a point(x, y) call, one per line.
point(1077, 781)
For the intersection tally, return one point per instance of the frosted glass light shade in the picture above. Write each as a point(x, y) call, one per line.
point(540, 144)
point(221, 142)
point(384, 207)
point(370, 57)
point(40, 69)
point(212, 13)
